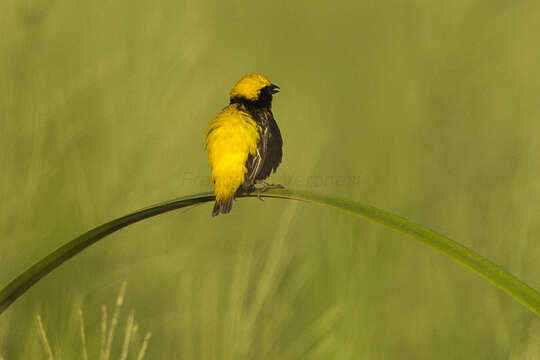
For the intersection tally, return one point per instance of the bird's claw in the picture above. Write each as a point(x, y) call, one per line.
point(266, 186)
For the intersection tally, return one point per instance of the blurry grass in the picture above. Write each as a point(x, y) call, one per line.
point(260, 306)
point(436, 102)
point(529, 348)
point(46, 344)
point(83, 335)
point(106, 336)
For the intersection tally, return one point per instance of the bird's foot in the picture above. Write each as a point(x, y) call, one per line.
point(266, 186)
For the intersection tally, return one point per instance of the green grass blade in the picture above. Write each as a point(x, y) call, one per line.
point(502, 279)
point(33, 274)
point(487, 269)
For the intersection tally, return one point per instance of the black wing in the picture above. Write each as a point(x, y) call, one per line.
point(269, 149)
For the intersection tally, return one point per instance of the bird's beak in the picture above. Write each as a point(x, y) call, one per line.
point(274, 89)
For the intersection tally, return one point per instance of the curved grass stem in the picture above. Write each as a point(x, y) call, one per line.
point(492, 272)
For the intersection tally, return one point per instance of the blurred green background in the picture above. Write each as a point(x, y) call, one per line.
point(428, 109)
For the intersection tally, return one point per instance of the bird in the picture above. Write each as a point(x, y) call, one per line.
point(243, 142)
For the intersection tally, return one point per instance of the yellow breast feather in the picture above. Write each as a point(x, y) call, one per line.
point(230, 138)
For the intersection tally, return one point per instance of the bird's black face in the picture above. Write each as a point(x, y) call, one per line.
point(265, 96)
point(274, 89)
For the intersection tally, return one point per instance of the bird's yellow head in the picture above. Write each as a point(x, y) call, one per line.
point(253, 87)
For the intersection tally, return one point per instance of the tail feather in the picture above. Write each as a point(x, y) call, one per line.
point(222, 207)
